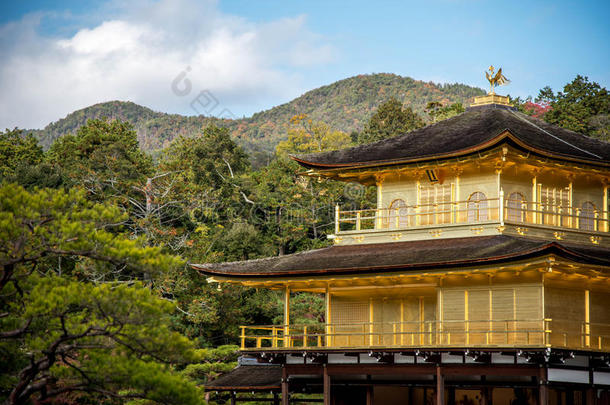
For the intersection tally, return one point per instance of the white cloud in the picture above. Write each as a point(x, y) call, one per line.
point(137, 56)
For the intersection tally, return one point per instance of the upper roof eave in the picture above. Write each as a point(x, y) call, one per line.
point(504, 135)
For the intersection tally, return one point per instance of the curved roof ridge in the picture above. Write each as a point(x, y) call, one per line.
point(550, 134)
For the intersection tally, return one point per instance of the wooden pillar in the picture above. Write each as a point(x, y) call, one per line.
point(369, 395)
point(371, 320)
point(591, 396)
point(440, 386)
point(486, 396)
point(285, 395)
point(276, 399)
point(605, 208)
point(587, 319)
point(233, 402)
point(534, 199)
point(451, 395)
point(286, 317)
point(328, 318)
point(326, 382)
point(379, 213)
point(543, 387)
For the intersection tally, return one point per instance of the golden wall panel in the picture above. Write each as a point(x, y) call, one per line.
point(600, 319)
point(349, 316)
point(492, 315)
point(566, 308)
point(528, 312)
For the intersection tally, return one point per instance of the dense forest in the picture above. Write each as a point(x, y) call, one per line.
point(97, 301)
point(344, 105)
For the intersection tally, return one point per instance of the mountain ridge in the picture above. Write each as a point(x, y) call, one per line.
point(344, 105)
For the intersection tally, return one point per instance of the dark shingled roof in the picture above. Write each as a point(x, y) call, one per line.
point(476, 129)
point(412, 255)
point(248, 378)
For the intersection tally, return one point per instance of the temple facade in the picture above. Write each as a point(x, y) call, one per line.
point(481, 276)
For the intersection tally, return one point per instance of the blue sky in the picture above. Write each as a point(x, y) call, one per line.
point(242, 56)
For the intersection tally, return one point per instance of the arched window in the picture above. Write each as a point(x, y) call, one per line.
point(516, 208)
point(477, 207)
point(398, 215)
point(586, 217)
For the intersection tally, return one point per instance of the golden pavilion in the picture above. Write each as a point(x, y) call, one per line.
point(481, 276)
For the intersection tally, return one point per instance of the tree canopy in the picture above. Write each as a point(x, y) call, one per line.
point(17, 150)
point(582, 106)
point(391, 119)
point(103, 157)
point(75, 316)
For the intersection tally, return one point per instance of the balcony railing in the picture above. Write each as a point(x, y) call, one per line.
point(472, 212)
point(537, 333)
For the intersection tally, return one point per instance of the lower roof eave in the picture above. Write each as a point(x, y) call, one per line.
point(272, 267)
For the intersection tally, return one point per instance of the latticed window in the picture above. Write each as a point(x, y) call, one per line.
point(554, 204)
point(398, 215)
point(435, 203)
point(478, 208)
point(516, 207)
point(586, 217)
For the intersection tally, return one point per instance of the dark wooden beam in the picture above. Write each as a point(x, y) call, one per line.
point(285, 394)
point(495, 369)
point(380, 369)
point(413, 369)
point(326, 378)
point(543, 387)
point(440, 386)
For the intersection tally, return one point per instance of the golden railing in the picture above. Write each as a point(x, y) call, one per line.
point(557, 216)
point(439, 334)
point(412, 216)
point(472, 212)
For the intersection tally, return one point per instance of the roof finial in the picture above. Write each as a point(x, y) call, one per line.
point(495, 80)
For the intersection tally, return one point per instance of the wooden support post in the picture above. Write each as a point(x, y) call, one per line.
point(571, 205)
point(501, 207)
point(369, 395)
point(591, 396)
point(543, 387)
point(466, 320)
point(587, 320)
point(440, 386)
point(337, 223)
point(486, 396)
point(606, 227)
point(276, 399)
point(534, 200)
point(371, 320)
point(285, 395)
point(233, 402)
point(451, 395)
point(286, 317)
point(327, 315)
point(379, 212)
point(326, 383)
point(402, 322)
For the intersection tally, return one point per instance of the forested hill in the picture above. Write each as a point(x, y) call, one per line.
point(344, 105)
